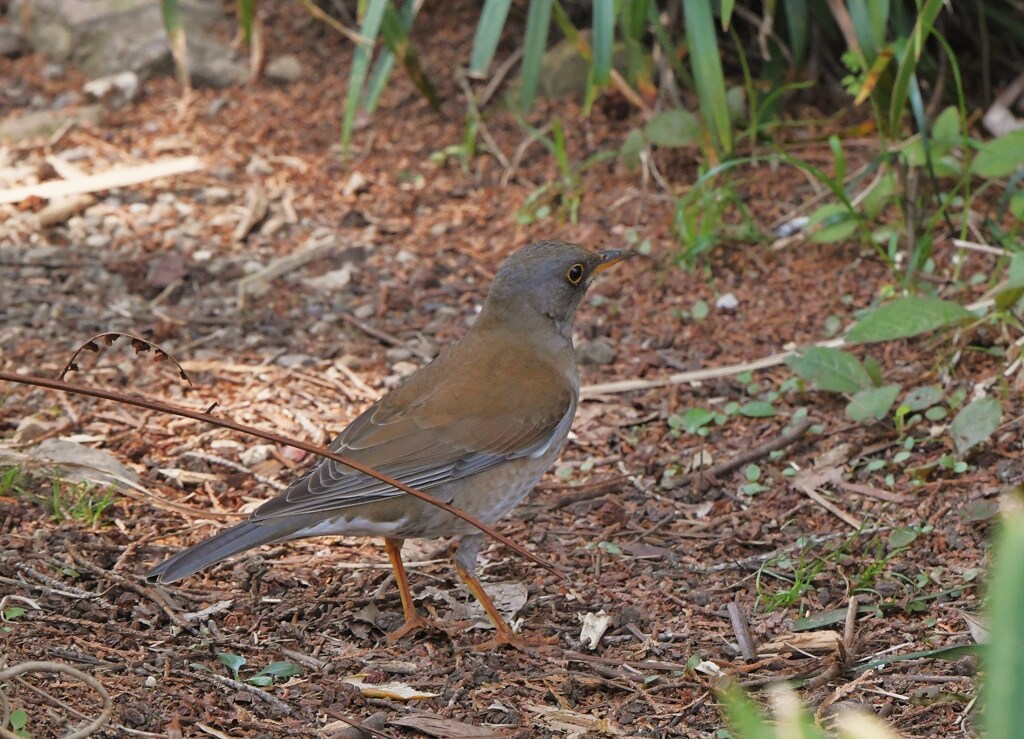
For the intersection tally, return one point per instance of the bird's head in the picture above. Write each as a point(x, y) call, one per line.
point(547, 280)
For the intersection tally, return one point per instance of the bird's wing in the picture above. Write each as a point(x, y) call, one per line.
point(429, 432)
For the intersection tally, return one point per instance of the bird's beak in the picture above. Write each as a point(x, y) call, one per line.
point(614, 256)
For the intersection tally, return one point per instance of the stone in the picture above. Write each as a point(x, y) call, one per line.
point(106, 37)
point(12, 43)
point(284, 68)
point(115, 90)
point(596, 351)
point(44, 123)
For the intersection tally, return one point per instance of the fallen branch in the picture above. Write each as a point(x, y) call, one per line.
point(704, 478)
point(113, 178)
point(161, 407)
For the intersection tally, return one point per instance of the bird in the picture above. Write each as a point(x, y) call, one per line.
point(476, 428)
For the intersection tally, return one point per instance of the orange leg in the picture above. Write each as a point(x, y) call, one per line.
point(413, 621)
point(504, 635)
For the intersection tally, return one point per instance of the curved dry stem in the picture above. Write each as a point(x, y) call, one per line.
point(41, 666)
point(139, 344)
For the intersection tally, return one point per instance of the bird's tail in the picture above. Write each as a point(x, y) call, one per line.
point(245, 535)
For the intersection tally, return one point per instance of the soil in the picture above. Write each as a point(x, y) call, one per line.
point(405, 242)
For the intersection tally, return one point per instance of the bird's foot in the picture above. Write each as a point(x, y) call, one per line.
point(508, 638)
point(412, 625)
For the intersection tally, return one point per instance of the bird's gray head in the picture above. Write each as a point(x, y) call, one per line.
point(547, 280)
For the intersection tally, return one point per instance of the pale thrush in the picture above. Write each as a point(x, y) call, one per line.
point(476, 428)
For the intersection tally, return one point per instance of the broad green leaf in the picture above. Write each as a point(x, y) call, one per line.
point(233, 662)
point(632, 148)
point(975, 423)
point(696, 418)
point(1017, 205)
point(830, 369)
point(1000, 157)
point(947, 126)
point(907, 317)
point(538, 23)
point(673, 128)
point(280, 669)
point(18, 719)
point(922, 398)
point(744, 716)
point(901, 537)
point(488, 33)
point(13, 613)
point(1003, 689)
point(831, 222)
point(872, 404)
point(757, 409)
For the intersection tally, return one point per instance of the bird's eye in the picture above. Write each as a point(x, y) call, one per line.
point(575, 274)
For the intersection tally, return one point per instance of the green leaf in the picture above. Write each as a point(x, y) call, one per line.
point(744, 716)
point(262, 681)
point(13, 613)
point(233, 662)
point(831, 222)
point(975, 423)
point(1000, 157)
point(923, 397)
point(907, 317)
point(673, 128)
point(538, 23)
point(1003, 689)
point(902, 537)
point(872, 404)
point(946, 129)
point(488, 33)
point(631, 149)
point(280, 669)
point(830, 369)
point(696, 418)
point(757, 409)
point(18, 719)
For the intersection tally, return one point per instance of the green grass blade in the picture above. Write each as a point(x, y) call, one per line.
point(1003, 690)
point(869, 23)
point(727, 7)
point(604, 40)
point(603, 29)
point(796, 20)
point(538, 22)
point(707, 71)
point(360, 65)
point(171, 13)
point(395, 32)
point(666, 42)
point(908, 61)
point(246, 11)
point(488, 33)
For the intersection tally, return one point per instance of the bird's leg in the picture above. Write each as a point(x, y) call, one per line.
point(465, 559)
point(413, 621)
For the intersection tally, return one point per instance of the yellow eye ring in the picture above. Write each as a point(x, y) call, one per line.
point(574, 274)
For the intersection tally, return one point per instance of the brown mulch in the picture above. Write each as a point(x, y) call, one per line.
point(412, 246)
